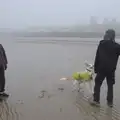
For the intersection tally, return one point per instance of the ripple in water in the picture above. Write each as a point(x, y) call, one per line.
point(7, 112)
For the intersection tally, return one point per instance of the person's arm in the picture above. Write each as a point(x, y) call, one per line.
point(118, 48)
point(96, 62)
point(4, 54)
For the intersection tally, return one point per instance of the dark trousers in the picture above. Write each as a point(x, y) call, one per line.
point(2, 79)
point(110, 77)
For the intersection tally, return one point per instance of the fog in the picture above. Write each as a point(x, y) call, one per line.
point(25, 13)
point(51, 39)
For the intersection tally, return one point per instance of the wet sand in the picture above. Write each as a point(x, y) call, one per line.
point(36, 92)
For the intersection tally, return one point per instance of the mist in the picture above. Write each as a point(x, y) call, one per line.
point(20, 14)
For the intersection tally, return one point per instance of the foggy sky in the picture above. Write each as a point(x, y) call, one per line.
point(24, 13)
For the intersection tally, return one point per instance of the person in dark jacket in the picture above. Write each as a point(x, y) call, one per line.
point(3, 67)
point(105, 64)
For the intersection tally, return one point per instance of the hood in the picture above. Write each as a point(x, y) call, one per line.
point(109, 35)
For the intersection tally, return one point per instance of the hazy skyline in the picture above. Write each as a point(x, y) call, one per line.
point(25, 13)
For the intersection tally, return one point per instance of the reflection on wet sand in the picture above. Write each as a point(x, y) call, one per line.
point(95, 113)
point(87, 112)
point(33, 80)
point(8, 112)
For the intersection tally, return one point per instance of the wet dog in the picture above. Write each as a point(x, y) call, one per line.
point(85, 78)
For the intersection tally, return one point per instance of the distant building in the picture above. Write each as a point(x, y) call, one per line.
point(113, 21)
point(105, 21)
point(93, 20)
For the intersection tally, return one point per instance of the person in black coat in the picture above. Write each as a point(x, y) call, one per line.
point(106, 59)
point(3, 67)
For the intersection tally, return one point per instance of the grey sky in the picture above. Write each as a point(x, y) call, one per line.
point(24, 13)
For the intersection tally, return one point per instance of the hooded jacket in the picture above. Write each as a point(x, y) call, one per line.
point(107, 53)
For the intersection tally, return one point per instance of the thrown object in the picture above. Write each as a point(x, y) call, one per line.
point(64, 79)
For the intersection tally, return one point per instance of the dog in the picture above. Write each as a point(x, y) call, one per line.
point(83, 80)
point(83, 77)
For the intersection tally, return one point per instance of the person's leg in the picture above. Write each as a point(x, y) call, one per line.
point(2, 83)
point(98, 82)
point(2, 80)
point(110, 83)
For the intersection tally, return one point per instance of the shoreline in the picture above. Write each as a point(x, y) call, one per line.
point(56, 34)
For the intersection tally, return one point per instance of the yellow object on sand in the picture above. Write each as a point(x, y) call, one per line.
point(82, 75)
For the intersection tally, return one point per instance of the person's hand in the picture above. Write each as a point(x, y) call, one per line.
point(6, 67)
point(95, 70)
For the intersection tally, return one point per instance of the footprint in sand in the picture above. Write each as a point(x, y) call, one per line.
point(42, 94)
point(61, 89)
point(20, 102)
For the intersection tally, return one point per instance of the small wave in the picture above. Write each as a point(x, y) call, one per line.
point(58, 41)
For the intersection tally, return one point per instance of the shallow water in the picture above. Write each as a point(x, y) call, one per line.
point(33, 81)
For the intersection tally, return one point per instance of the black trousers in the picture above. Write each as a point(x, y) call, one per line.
point(2, 79)
point(110, 77)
